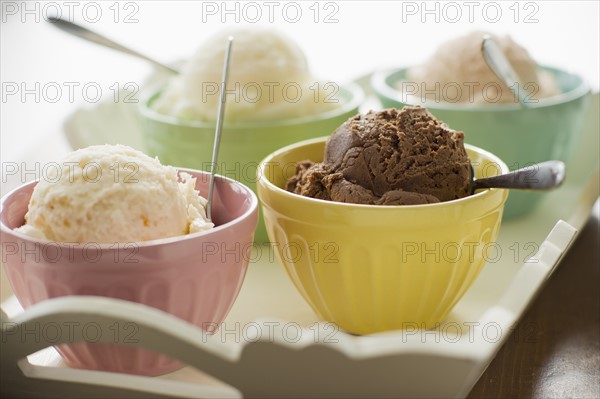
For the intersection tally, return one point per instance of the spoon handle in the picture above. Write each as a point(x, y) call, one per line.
point(540, 176)
point(219, 127)
point(97, 38)
point(496, 60)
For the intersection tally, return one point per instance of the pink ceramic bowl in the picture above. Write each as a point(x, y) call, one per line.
point(195, 277)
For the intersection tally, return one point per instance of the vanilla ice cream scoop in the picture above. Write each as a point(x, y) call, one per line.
point(113, 193)
point(458, 73)
point(269, 80)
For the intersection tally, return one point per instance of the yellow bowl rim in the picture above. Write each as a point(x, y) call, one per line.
point(286, 194)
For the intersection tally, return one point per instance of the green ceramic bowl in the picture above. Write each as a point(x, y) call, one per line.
point(520, 136)
point(189, 144)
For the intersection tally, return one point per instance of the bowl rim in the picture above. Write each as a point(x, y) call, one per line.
point(379, 83)
point(355, 91)
point(139, 244)
point(485, 193)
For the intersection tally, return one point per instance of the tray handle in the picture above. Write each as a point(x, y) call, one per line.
point(157, 331)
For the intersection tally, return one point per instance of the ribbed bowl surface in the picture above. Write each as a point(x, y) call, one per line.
point(376, 268)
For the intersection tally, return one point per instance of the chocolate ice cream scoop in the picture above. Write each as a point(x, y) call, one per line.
point(389, 157)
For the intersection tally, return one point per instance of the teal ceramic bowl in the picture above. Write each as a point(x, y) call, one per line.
point(188, 144)
point(548, 129)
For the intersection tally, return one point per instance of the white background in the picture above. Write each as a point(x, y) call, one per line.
point(368, 35)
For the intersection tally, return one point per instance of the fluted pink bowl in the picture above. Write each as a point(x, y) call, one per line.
point(195, 277)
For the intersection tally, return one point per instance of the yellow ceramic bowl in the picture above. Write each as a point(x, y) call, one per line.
point(375, 268)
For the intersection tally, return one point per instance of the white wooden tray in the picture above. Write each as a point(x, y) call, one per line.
point(272, 345)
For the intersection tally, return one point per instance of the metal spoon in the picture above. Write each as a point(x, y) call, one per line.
point(219, 128)
point(97, 38)
point(496, 60)
point(541, 176)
